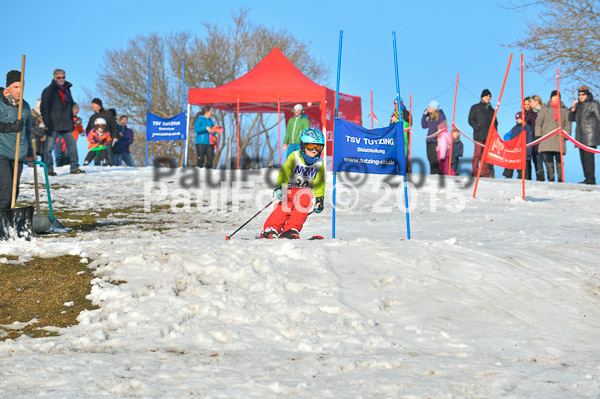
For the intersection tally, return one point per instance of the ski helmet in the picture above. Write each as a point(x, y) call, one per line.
point(100, 121)
point(311, 136)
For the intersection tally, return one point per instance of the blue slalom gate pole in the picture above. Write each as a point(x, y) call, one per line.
point(148, 109)
point(337, 101)
point(184, 144)
point(402, 136)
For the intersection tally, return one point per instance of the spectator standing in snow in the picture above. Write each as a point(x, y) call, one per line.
point(99, 140)
point(443, 148)
point(100, 112)
point(514, 132)
point(296, 125)
point(10, 125)
point(60, 148)
point(430, 120)
point(38, 130)
point(127, 136)
point(114, 148)
point(536, 104)
point(57, 113)
point(457, 151)
point(480, 119)
point(585, 111)
point(546, 122)
point(204, 128)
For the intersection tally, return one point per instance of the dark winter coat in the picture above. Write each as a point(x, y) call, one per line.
point(530, 117)
point(126, 139)
point(480, 119)
point(545, 123)
point(57, 115)
point(587, 116)
point(9, 113)
point(431, 125)
point(111, 124)
point(457, 152)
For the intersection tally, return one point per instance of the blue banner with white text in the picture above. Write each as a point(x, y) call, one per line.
point(378, 151)
point(161, 129)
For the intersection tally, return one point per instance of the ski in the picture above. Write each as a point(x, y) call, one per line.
point(315, 237)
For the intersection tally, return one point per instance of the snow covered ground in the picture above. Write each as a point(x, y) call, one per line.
point(493, 297)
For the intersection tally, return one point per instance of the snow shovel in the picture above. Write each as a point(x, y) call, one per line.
point(45, 224)
point(17, 221)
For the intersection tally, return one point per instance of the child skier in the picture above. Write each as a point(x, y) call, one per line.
point(304, 175)
point(98, 139)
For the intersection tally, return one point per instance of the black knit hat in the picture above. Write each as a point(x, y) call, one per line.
point(12, 77)
point(554, 93)
point(97, 101)
point(485, 92)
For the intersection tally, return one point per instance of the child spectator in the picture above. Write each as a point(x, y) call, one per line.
point(99, 140)
point(514, 132)
point(457, 151)
point(443, 147)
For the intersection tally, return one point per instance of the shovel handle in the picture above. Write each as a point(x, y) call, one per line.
point(16, 163)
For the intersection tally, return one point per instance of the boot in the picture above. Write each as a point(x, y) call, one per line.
point(550, 169)
point(559, 172)
point(291, 234)
point(269, 232)
point(539, 175)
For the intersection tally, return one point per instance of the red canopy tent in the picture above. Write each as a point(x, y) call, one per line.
point(276, 85)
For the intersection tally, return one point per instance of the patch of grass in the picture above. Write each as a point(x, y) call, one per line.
point(39, 289)
point(88, 221)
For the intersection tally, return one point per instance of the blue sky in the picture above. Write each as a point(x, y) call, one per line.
point(436, 41)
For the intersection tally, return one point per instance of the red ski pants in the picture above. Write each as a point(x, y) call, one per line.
point(291, 212)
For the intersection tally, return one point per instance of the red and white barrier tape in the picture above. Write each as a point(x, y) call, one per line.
point(535, 142)
point(470, 139)
point(581, 146)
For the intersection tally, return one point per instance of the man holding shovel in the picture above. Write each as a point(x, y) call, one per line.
point(10, 125)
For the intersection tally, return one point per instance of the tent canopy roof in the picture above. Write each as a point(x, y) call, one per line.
point(274, 79)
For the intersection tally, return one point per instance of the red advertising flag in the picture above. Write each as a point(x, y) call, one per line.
point(510, 154)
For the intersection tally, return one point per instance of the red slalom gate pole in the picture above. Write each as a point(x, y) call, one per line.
point(238, 131)
point(560, 132)
point(452, 127)
point(486, 149)
point(371, 109)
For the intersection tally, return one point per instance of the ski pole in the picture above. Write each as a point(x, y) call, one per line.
point(242, 226)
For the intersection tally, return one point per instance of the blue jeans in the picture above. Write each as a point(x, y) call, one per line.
point(125, 157)
point(71, 148)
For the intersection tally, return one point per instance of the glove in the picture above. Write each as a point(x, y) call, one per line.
point(319, 204)
point(11, 127)
point(277, 194)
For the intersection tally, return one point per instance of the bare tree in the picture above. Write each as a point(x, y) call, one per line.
point(221, 55)
point(564, 34)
